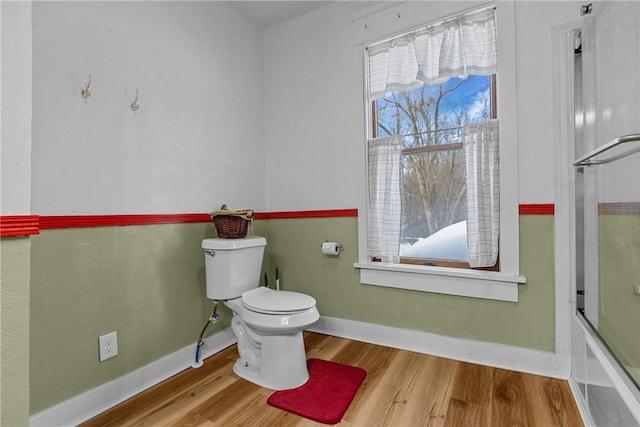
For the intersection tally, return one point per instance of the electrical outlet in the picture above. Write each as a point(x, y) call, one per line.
point(108, 345)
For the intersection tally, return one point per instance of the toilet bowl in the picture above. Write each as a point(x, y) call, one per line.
point(270, 341)
point(268, 324)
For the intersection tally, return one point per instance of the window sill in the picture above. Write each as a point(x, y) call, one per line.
point(451, 281)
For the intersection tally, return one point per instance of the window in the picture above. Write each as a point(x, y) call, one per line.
point(427, 86)
point(395, 69)
point(431, 121)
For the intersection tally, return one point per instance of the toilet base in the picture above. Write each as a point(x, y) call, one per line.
point(282, 363)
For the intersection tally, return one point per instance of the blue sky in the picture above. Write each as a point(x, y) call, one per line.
point(470, 93)
point(467, 93)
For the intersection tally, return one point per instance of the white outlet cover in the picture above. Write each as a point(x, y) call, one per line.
point(108, 345)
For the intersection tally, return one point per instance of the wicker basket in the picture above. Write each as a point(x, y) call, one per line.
point(232, 224)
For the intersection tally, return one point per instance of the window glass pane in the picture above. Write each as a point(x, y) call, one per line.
point(433, 108)
point(431, 119)
point(434, 205)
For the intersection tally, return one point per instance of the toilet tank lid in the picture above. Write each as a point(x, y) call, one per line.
point(229, 244)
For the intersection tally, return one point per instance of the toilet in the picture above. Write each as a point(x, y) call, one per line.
point(267, 323)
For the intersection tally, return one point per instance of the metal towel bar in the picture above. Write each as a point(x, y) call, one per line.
point(585, 160)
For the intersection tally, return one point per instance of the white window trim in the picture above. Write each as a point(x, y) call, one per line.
point(501, 285)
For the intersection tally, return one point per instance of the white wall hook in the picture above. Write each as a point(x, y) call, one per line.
point(85, 92)
point(134, 104)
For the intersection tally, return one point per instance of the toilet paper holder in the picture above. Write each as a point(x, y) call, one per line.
point(338, 245)
point(330, 248)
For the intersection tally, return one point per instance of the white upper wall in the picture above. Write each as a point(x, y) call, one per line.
point(314, 112)
point(534, 23)
point(196, 141)
point(314, 120)
point(229, 114)
point(15, 123)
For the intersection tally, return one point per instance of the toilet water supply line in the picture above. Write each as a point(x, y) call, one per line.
point(215, 316)
point(212, 319)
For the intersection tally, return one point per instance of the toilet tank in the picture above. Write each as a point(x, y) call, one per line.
point(232, 266)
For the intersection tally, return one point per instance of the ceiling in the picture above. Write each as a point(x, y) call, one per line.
point(269, 13)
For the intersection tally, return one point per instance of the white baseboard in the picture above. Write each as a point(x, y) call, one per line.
point(99, 399)
point(93, 402)
point(484, 353)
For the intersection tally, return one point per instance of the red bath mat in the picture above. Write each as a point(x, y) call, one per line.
point(326, 396)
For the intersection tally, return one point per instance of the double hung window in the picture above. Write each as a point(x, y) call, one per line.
point(433, 160)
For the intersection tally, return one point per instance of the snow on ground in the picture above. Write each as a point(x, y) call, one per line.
point(449, 243)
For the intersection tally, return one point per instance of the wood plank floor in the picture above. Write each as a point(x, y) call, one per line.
point(402, 388)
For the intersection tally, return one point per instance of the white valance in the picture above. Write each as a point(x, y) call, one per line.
point(466, 44)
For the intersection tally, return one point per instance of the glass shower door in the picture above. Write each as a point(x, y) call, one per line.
point(610, 174)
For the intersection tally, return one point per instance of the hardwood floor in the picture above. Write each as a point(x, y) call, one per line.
point(402, 388)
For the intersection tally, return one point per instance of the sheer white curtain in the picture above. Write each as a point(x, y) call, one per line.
point(457, 47)
point(483, 192)
point(385, 203)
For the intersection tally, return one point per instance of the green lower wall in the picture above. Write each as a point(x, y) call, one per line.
point(14, 331)
point(295, 245)
point(147, 282)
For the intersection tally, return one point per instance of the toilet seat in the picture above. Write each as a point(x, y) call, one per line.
point(268, 301)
